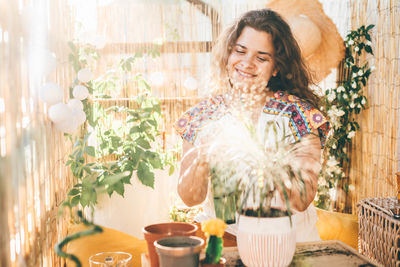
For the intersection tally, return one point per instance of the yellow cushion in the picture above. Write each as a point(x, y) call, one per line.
point(338, 226)
point(108, 241)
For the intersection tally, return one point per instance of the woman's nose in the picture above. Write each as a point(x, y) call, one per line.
point(247, 62)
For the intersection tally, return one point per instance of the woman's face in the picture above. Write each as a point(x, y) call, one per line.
point(252, 59)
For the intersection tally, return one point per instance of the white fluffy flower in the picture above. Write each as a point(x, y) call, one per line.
point(354, 96)
point(360, 72)
point(331, 162)
point(341, 89)
point(356, 49)
point(351, 42)
point(345, 96)
point(353, 85)
point(363, 101)
point(369, 43)
point(352, 105)
point(351, 134)
point(340, 113)
point(354, 75)
point(331, 96)
point(334, 146)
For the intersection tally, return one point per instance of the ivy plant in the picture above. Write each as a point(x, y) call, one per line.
point(343, 104)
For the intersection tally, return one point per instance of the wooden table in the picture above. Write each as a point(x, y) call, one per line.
point(322, 253)
point(318, 254)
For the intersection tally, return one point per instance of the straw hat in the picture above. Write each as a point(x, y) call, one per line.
point(321, 45)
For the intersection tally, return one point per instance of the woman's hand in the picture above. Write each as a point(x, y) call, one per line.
point(194, 174)
point(307, 161)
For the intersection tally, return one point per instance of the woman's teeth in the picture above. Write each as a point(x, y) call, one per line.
point(245, 75)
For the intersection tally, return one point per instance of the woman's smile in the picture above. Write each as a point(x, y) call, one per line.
point(244, 74)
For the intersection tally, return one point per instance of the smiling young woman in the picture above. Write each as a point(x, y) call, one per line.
point(252, 58)
point(257, 59)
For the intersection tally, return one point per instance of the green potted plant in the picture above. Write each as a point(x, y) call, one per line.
point(343, 104)
point(106, 155)
point(214, 231)
point(248, 173)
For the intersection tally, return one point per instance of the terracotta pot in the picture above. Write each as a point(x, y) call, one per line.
point(160, 230)
point(221, 263)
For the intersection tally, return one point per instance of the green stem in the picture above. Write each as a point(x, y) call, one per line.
point(94, 229)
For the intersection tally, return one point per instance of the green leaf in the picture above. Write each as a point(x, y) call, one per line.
point(75, 200)
point(156, 162)
point(119, 188)
point(73, 192)
point(368, 49)
point(134, 129)
point(115, 142)
point(369, 27)
point(145, 175)
point(171, 169)
point(90, 151)
point(114, 179)
point(143, 143)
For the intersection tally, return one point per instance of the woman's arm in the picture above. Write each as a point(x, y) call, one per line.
point(194, 174)
point(307, 160)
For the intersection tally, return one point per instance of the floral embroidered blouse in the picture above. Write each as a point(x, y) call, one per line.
point(302, 118)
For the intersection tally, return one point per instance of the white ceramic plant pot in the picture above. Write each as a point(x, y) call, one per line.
point(264, 242)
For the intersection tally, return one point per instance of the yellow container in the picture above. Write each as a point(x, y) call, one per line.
point(338, 226)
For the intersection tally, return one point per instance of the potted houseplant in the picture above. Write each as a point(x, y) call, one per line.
point(343, 105)
point(244, 172)
point(214, 231)
point(115, 142)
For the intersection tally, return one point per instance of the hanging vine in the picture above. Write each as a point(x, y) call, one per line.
point(343, 104)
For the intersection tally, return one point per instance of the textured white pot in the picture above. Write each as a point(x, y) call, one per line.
point(265, 242)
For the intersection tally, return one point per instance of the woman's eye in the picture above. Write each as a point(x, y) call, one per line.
point(261, 59)
point(240, 51)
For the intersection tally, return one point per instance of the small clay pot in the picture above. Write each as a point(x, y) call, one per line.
point(160, 230)
point(221, 263)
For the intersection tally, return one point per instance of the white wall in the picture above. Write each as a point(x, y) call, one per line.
point(141, 205)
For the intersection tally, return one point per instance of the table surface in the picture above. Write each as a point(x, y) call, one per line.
point(321, 253)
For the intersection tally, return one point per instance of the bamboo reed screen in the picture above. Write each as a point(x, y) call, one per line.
point(375, 150)
point(33, 179)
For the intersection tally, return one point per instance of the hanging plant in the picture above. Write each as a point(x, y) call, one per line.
point(343, 104)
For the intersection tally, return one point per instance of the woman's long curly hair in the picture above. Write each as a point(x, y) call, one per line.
point(293, 75)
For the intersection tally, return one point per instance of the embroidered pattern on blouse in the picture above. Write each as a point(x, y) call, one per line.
point(195, 118)
point(303, 118)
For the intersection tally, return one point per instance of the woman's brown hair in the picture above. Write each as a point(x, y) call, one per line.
point(293, 75)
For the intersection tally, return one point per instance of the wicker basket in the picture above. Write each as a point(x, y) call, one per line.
point(379, 231)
